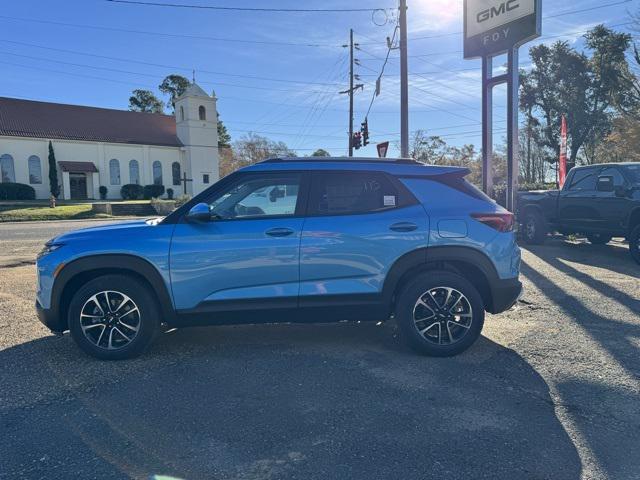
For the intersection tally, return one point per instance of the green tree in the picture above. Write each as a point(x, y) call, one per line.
point(321, 152)
point(587, 90)
point(224, 138)
point(174, 86)
point(145, 101)
point(54, 187)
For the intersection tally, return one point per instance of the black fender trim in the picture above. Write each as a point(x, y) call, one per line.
point(111, 262)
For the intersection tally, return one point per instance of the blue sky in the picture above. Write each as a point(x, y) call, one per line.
point(94, 52)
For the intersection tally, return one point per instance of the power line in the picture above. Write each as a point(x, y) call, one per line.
point(376, 92)
point(171, 35)
point(249, 9)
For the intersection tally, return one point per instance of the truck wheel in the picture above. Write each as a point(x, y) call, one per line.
point(534, 230)
point(599, 238)
point(113, 317)
point(634, 243)
point(439, 313)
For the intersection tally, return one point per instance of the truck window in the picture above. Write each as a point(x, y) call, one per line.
point(618, 179)
point(583, 179)
point(634, 173)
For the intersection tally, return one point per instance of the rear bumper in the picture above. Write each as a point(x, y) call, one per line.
point(505, 294)
point(49, 319)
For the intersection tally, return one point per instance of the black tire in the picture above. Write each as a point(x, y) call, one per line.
point(534, 228)
point(634, 243)
point(426, 342)
point(599, 238)
point(140, 326)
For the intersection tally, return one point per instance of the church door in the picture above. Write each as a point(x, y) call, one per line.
point(78, 186)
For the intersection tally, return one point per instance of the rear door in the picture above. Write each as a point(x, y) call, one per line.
point(358, 224)
point(613, 207)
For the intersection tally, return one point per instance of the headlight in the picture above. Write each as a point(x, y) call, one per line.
point(49, 247)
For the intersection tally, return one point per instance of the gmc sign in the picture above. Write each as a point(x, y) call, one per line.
point(492, 27)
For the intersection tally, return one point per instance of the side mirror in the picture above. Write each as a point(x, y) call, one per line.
point(199, 213)
point(604, 183)
point(276, 193)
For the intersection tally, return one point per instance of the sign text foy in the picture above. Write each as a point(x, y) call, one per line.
point(492, 27)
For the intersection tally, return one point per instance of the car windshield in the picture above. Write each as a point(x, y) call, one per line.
point(634, 173)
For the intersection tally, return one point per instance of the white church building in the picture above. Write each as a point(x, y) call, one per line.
point(97, 147)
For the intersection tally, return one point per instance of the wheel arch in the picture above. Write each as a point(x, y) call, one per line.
point(82, 270)
point(467, 262)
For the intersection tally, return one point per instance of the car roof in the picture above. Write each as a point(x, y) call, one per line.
point(609, 164)
point(394, 166)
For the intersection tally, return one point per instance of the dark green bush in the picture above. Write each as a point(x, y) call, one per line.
point(103, 192)
point(132, 191)
point(16, 191)
point(170, 193)
point(153, 191)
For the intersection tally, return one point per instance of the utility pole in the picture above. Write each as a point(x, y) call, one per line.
point(404, 83)
point(352, 88)
point(351, 92)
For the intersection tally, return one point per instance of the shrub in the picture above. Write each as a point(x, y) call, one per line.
point(170, 193)
point(16, 191)
point(163, 207)
point(103, 192)
point(153, 191)
point(181, 200)
point(131, 191)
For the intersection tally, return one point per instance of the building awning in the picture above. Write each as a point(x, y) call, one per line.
point(78, 167)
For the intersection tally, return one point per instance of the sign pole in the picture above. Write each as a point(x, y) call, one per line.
point(404, 83)
point(487, 126)
point(513, 150)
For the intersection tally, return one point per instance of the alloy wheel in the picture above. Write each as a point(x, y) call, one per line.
point(442, 315)
point(110, 320)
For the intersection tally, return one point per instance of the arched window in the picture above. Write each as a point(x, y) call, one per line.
point(7, 172)
point(134, 172)
point(35, 171)
point(181, 112)
point(175, 173)
point(114, 171)
point(202, 113)
point(157, 173)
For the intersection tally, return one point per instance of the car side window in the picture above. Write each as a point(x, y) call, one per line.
point(584, 179)
point(257, 197)
point(618, 179)
point(352, 192)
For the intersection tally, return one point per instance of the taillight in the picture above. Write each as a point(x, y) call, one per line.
point(500, 221)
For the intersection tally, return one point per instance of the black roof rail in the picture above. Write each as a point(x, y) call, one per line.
point(343, 159)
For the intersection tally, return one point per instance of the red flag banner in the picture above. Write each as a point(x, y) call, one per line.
point(562, 164)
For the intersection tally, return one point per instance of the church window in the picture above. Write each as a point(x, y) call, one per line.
point(181, 113)
point(6, 169)
point(134, 172)
point(157, 173)
point(175, 173)
point(35, 171)
point(202, 113)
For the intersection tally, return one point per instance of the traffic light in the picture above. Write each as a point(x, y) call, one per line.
point(365, 132)
point(357, 140)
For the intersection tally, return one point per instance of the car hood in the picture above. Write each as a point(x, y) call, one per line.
point(109, 229)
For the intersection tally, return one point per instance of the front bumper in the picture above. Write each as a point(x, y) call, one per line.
point(50, 319)
point(505, 294)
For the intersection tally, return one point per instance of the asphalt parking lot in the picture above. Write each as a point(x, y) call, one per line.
point(551, 390)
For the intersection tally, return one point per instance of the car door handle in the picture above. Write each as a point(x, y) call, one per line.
point(279, 232)
point(403, 227)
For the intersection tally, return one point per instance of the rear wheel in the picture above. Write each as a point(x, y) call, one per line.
point(440, 313)
point(599, 238)
point(113, 317)
point(634, 243)
point(534, 229)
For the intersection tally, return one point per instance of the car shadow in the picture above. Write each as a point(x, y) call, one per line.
point(279, 401)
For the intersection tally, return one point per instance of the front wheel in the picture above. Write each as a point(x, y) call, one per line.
point(599, 238)
point(440, 313)
point(634, 243)
point(534, 229)
point(113, 317)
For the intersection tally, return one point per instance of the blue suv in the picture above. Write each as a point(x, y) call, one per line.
point(292, 240)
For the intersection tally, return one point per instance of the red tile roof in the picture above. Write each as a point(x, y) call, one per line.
point(77, 167)
point(28, 118)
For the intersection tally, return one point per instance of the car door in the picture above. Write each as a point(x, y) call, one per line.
point(358, 224)
point(577, 202)
point(249, 251)
point(613, 207)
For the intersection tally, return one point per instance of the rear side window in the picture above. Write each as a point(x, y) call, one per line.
point(460, 184)
point(354, 192)
point(583, 179)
